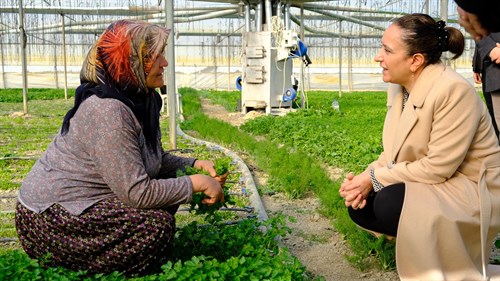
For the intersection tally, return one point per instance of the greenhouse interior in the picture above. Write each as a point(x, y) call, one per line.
point(248, 63)
point(341, 36)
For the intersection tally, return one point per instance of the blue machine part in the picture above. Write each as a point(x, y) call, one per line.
point(289, 95)
point(238, 82)
point(301, 50)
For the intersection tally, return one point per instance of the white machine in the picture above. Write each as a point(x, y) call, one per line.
point(267, 72)
point(268, 48)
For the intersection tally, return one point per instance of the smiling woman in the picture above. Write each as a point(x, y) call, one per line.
point(154, 78)
point(439, 151)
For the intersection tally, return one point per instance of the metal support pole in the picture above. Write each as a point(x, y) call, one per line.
point(171, 89)
point(248, 27)
point(22, 37)
point(56, 76)
point(279, 9)
point(195, 75)
point(340, 58)
point(64, 59)
point(269, 14)
point(288, 20)
point(258, 18)
point(215, 65)
point(4, 82)
point(302, 86)
point(228, 63)
point(349, 64)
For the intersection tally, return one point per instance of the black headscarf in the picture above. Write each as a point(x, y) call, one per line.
point(146, 108)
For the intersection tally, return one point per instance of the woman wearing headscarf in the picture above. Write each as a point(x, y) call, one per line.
point(102, 197)
point(436, 185)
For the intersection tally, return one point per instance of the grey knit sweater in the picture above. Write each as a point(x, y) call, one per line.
point(104, 155)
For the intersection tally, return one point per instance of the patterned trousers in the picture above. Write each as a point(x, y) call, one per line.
point(107, 237)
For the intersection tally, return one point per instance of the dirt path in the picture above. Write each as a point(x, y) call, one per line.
point(313, 240)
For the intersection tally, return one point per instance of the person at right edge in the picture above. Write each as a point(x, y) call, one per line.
point(487, 72)
point(479, 17)
point(435, 187)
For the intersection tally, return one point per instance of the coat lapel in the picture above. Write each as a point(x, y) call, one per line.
point(403, 121)
point(394, 105)
point(404, 127)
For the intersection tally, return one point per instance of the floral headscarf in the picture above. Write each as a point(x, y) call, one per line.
point(116, 67)
point(124, 53)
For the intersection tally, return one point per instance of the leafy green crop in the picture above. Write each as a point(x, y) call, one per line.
point(228, 99)
point(496, 259)
point(221, 166)
point(293, 150)
point(16, 95)
point(349, 139)
point(212, 252)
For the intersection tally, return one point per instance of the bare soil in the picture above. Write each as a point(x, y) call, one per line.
point(314, 240)
point(8, 200)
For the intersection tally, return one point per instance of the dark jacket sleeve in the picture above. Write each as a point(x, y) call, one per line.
point(487, 44)
point(490, 70)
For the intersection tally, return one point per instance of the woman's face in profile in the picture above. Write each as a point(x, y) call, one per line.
point(393, 57)
point(154, 79)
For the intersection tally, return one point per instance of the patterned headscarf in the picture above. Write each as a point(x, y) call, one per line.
point(116, 67)
point(124, 54)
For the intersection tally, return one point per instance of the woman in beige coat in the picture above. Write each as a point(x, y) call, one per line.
point(436, 185)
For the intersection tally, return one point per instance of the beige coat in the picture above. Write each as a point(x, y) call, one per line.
point(443, 147)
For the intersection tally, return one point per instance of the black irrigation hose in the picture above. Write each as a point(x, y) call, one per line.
point(245, 209)
point(7, 240)
point(19, 158)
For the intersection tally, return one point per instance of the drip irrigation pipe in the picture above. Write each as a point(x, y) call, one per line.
point(247, 177)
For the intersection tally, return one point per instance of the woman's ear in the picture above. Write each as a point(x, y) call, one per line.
point(418, 61)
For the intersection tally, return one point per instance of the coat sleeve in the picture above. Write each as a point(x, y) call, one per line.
point(487, 44)
point(456, 114)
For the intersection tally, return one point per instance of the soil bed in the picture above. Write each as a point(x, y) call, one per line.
point(313, 240)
